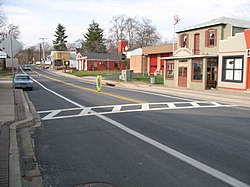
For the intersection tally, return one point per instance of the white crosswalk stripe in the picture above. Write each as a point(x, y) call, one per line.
point(111, 109)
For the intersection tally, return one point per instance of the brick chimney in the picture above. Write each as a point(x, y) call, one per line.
point(121, 45)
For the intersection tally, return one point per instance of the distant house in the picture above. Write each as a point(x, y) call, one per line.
point(60, 59)
point(195, 62)
point(86, 61)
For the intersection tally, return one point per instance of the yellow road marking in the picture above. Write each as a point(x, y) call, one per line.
point(92, 90)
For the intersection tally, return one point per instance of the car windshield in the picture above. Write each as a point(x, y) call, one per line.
point(23, 77)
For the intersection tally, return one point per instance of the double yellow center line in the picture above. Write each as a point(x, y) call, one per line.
point(91, 90)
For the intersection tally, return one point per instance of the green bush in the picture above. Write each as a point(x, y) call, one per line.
point(146, 79)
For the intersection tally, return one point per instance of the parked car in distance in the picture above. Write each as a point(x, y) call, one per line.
point(26, 67)
point(23, 81)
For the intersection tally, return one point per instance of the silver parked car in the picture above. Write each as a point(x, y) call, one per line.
point(26, 67)
point(23, 81)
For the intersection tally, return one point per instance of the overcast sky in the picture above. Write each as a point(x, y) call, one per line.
point(39, 18)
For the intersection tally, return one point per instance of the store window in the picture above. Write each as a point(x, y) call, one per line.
point(232, 69)
point(197, 70)
point(170, 69)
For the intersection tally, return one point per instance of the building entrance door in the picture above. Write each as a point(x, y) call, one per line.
point(182, 76)
point(212, 69)
point(153, 64)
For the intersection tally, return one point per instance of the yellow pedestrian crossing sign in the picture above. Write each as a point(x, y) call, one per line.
point(99, 83)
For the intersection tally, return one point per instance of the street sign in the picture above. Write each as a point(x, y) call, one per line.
point(11, 43)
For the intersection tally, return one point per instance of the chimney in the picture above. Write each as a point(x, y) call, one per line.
point(121, 45)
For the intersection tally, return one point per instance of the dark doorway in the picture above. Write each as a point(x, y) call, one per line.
point(212, 73)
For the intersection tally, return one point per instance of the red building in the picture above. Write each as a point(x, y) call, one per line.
point(86, 61)
point(154, 54)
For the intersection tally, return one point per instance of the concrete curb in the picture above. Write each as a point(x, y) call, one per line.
point(14, 164)
point(31, 177)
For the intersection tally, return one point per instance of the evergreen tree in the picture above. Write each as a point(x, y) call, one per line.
point(94, 41)
point(60, 42)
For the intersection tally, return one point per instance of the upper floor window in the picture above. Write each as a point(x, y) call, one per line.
point(211, 38)
point(184, 40)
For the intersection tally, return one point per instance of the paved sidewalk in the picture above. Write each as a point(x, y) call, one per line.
point(10, 113)
point(7, 100)
point(7, 116)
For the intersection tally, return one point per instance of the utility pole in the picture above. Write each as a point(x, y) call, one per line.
point(43, 39)
point(40, 48)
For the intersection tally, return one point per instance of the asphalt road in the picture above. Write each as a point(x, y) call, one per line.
point(128, 138)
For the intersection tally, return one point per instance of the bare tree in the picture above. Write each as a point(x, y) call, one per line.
point(139, 32)
point(146, 34)
point(3, 18)
point(165, 41)
point(131, 31)
point(118, 29)
point(3, 21)
point(111, 46)
point(3, 34)
point(79, 44)
point(14, 30)
point(7, 28)
point(10, 29)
